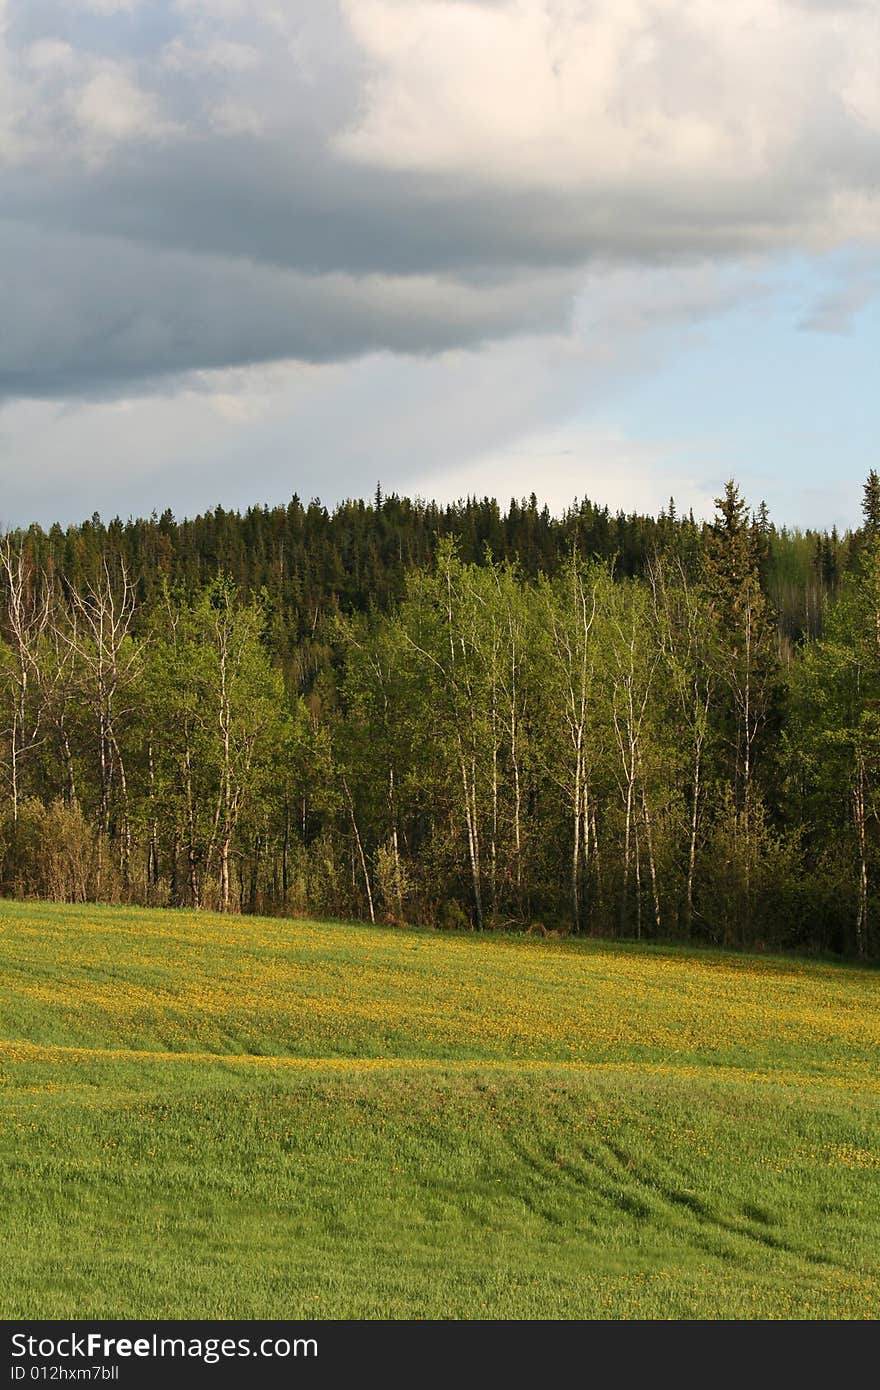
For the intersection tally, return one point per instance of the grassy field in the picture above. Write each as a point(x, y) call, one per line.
point(207, 1117)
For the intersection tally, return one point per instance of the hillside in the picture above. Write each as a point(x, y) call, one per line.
point(265, 1118)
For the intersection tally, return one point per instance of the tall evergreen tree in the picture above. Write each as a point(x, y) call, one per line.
point(871, 503)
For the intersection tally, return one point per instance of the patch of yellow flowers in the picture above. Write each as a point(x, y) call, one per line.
point(164, 983)
point(851, 1157)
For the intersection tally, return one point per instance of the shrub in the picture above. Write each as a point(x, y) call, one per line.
point(54, 853)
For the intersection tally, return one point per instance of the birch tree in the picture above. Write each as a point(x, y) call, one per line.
point(106, 658)
point(684, 634)
point(633, 660)
point(571, 680)
point(439, 624)
point(28, 611)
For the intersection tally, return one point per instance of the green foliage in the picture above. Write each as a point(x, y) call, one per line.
point(600, 723)
point(750, 880)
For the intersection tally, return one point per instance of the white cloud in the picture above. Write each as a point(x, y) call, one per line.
point(9, 96)
point(235, 118)
point(861, 88)
point(51, 56)
point(111, 106)
point(72, 105)
point(678, 103)
point(575, 461)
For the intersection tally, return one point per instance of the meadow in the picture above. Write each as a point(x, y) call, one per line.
point(220, 1117)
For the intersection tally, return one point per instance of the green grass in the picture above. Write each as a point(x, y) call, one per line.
point(202, 1117)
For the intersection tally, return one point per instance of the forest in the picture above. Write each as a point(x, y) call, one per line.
point(458, 717)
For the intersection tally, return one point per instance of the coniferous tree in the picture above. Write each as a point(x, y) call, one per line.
point(871, 504)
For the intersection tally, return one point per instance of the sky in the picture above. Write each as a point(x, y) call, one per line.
point(620, 249)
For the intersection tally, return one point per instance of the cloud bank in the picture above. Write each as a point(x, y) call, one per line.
point(218, 183)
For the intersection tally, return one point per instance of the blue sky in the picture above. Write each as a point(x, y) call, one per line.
point(456, 246)
point(789, 407)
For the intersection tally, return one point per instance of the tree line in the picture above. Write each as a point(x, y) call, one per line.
point(618, 726)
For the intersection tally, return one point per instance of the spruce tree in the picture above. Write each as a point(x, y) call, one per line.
point(871, 504)
point(745, 634)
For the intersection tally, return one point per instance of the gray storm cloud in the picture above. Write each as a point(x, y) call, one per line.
point(209, 184)
point(96, 314)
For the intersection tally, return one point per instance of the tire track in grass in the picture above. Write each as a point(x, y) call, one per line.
point(622, 1191)
point(680, 1199)
point(640, 1192)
